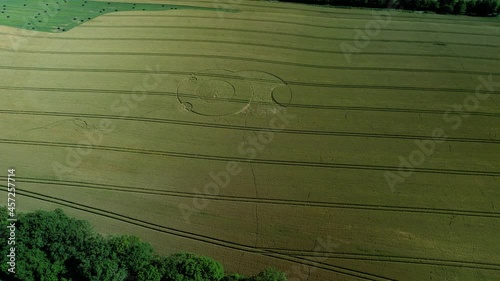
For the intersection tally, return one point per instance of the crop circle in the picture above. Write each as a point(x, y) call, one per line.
point(214, 92)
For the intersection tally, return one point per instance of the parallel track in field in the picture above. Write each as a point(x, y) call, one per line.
point(236, 58)
point(342, 39)
point(299, 24)
point(200, 238)
point(239, 43)
point(296, 256)
point(273, 33)
point(244, 102)
point(288, 82)
point(249, 128)
point(263, 201)
point(219, 158)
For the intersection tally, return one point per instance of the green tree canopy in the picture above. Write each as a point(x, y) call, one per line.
point(189, 267)
point(50, 246)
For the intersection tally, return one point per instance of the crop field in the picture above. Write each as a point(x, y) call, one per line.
point(332, 144)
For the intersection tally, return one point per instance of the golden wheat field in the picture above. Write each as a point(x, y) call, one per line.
point(332, 144)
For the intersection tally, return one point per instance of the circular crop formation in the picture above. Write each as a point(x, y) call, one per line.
point(214, 92)
point(220, 92)
point(268, 88)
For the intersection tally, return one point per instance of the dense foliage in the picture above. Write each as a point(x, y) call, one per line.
point(458, 7)
point(50, 246)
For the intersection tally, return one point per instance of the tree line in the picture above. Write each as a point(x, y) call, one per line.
point(51, 246)
point(457, 7)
